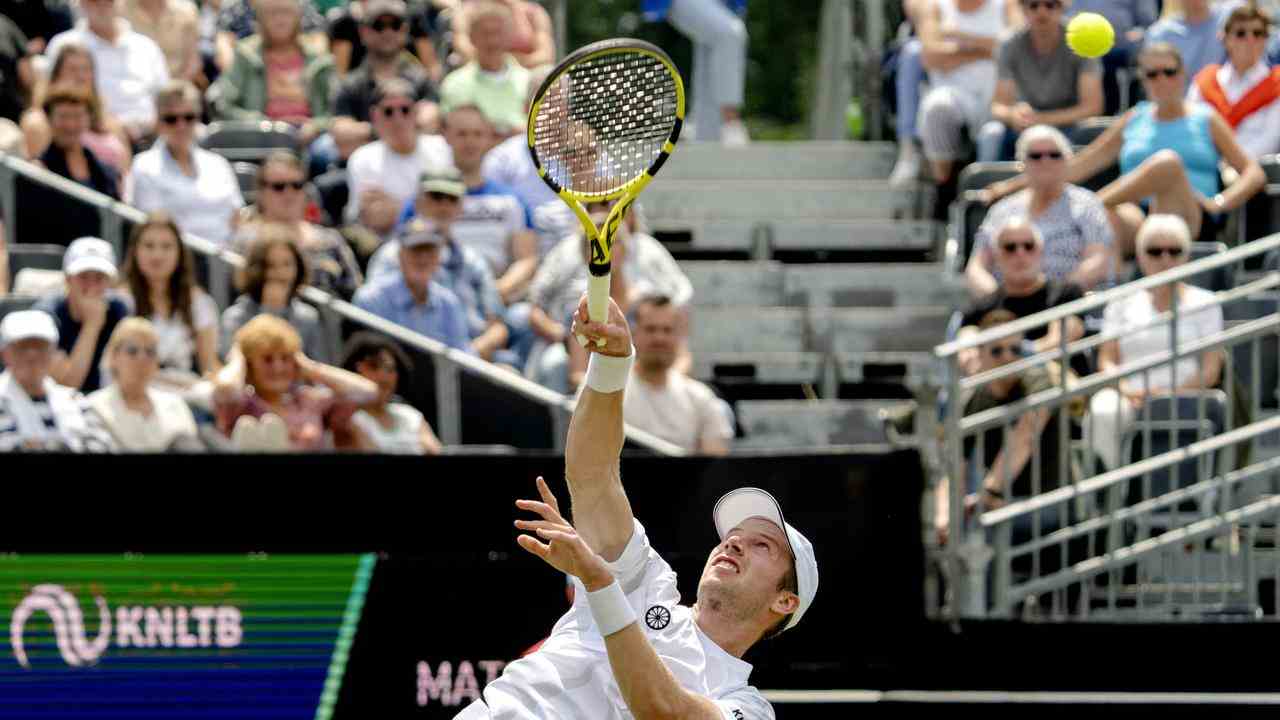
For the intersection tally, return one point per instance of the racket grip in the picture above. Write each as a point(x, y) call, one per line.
point(597, 301)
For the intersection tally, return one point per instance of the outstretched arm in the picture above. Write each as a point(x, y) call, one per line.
point(600, 507)
point(647, 685)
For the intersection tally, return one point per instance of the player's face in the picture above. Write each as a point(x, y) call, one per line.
point(743, 572)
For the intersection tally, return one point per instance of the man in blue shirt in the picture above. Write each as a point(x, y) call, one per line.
point(411, 298)
point(1196, 32)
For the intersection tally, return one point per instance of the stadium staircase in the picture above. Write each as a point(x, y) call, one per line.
point(819, 292)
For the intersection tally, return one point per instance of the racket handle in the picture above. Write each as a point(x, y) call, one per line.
point(598, 300)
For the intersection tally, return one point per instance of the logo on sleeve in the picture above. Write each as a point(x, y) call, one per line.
point(657, 617)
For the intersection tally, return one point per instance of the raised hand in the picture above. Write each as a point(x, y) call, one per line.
point(616, 333)
point(563, 548)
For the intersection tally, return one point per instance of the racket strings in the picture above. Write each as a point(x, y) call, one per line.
point(603, 123)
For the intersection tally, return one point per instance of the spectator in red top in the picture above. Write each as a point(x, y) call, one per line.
point(1245, 91)
point(267, 372)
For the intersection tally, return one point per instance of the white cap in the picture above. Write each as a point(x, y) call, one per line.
point(89, 253)
point(743, 503)
point(27, 324)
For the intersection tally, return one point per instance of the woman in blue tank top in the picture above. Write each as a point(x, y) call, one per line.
point(1169, 151)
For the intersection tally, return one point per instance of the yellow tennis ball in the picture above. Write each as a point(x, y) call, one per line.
point(1090, 35)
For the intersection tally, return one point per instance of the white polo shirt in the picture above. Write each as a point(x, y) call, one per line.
point(376, 165)
point(1259, 133)
point(202, 204)
point(570, 676)
point(130, 71)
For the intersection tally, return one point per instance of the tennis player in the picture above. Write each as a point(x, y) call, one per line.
point(627, 648)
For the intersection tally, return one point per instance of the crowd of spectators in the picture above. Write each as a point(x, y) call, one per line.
point(410, 193)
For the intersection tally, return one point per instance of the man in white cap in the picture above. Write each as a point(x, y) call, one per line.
point(627, 648)
point(37, 413)
point(86, 314)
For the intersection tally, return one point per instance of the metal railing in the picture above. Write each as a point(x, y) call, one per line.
point(449, 364)
point(1131, 541)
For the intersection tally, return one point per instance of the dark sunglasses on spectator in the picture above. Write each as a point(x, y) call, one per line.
point(391, 110)
point(1153, 73)
point(998, 351)
point(1242, 34)
point(390, 23)
point(443, 197)
point(280, 186)
point(1034, 5)
point(174, 118)
point(134, 350)
point(1052, 155)
point(1010, 248)
point(1155, 252)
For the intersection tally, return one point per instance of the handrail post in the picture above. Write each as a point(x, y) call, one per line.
point(448, 400)
point(8, 200)
point(110, 229)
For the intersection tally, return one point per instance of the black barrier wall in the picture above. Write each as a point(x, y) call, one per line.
point(451, 586)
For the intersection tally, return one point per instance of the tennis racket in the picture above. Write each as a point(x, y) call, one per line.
point(600, 128)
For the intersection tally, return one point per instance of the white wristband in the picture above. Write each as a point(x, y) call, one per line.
point(610, 609)
point(608, 374)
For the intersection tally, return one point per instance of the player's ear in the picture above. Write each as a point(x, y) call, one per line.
point(785, 602)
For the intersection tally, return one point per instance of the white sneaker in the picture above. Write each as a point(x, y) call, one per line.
point(907, 170)
point(734, 134)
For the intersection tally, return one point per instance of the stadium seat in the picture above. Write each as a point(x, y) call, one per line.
point(1260, 216)
point(1088, 130)
point(750, 330)
point(31, 255)
point(249, 141)
point(810, 423)
point(735, 284)
point(967, 212)
point(247, 176)
point(1174, 422)
point(905, 329)
point(333, 191)
point(872, 285)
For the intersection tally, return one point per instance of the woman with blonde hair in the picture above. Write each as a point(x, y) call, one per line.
point(140, 417)
point(268, 374)
point(106, 136)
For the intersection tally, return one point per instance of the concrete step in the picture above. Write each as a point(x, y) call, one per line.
point(667, 200)
point(794, 329)
point(781, 161)
point(804, 233)
point(811, 423)
point(736, 283)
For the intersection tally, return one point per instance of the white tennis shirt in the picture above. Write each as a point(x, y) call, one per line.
point(570, 678)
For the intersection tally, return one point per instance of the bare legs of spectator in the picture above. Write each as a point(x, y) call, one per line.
point(719, 67)
point(907, 84)
point(1162, 178)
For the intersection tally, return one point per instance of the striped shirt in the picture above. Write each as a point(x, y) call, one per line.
point(1071, 224)
point(94, 439)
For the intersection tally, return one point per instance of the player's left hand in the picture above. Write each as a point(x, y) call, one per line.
point(564, 549)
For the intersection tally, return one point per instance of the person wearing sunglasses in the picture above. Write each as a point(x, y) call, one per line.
point(383, 175)
point(139, 416)
point(36, 412)
point(378, 52)
point(349, 40)
point(1041, 82)
point(1024, 290)
point(1195, 32)
point(1169, 151)
point(1007, 460)
point(282, 198)
point(1071, 220)
point(1130, 20)
point(106, 137)
point(1245, 91)
point(959, 40)
point(196, 186)
point(276, 75)
point(1164, 242)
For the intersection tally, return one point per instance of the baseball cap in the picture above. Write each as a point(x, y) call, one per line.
point(27, 324)
point(447, 180)
point(738, 505)
point(89, 253)
point(380, 8)
point(420, 231)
